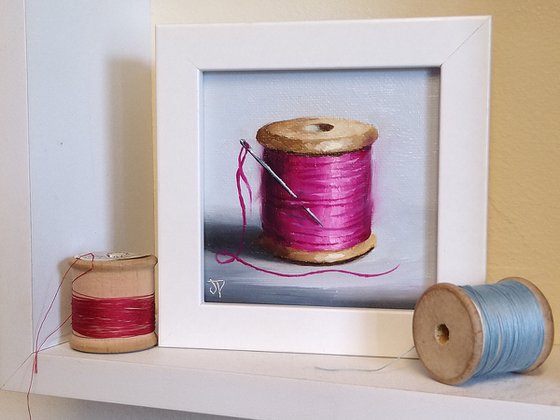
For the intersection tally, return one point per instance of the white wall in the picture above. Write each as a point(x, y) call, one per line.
point(89, 94)
point(88, 135)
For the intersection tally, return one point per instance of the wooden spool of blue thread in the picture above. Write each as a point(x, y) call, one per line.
point(448, 332)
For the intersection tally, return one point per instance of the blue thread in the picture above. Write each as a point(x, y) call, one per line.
point(513, 326)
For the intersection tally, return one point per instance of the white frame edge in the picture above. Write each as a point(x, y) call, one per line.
point(459, 46)
point(463, 194)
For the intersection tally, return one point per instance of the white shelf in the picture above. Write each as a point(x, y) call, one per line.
point(285, 385)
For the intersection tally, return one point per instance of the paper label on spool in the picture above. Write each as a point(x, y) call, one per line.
point(110, 256)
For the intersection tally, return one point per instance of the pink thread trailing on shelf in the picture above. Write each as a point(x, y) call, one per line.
point(38, 347)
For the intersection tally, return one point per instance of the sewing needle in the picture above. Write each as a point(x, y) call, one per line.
point(277, 179)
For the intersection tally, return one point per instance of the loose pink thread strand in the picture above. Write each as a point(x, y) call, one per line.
point(38, 347)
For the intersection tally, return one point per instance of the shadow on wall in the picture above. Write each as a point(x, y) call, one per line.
point(128, 159)
point(130, 155)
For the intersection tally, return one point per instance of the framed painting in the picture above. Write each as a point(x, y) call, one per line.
point(315, 178)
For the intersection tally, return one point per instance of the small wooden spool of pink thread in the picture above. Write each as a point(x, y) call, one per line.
point(327, 162)
point(119, 289)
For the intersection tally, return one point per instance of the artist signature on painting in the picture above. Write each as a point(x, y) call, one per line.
point(216, 287)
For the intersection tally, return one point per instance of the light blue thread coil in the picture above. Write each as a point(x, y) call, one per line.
point(513, 326)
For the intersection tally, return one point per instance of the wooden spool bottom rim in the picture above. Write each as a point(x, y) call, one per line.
point(317, 257)
point(448, 335)
point(113, 345)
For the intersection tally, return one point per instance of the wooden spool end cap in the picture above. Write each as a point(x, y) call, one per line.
point(548, 322)
point(447, 332)
point(317, 135)
point(317, 257)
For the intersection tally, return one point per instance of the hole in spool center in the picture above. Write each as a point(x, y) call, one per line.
point(442, 334)
point(315, 128)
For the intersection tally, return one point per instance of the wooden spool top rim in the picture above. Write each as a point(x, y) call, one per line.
point(133, 263)
point(317, 135)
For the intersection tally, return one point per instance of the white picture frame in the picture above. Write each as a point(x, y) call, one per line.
point(459, 47)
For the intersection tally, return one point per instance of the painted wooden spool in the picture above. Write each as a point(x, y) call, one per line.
point(322, 136)
point(448, 332)
point(114, 275)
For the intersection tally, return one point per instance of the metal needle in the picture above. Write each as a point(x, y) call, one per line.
point(278, 179)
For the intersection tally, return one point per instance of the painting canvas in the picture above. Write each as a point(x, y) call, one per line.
point(403, 107)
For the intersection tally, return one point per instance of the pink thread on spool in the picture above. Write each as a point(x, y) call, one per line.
point(113, 317)
point(108, 292)
point(327, 164)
